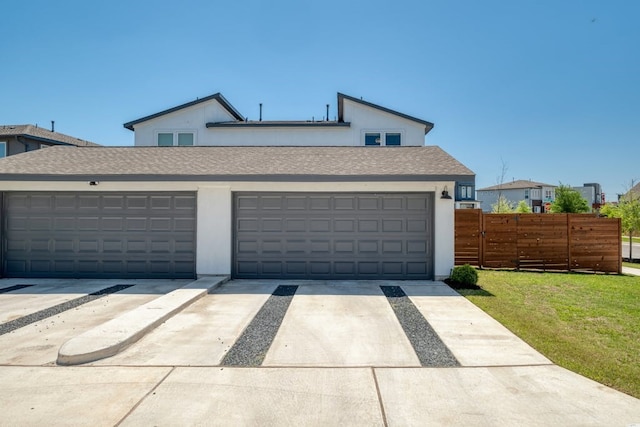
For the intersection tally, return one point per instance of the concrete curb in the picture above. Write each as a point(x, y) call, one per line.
point(112, 337)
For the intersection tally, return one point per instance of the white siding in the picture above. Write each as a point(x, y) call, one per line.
point(362, 118)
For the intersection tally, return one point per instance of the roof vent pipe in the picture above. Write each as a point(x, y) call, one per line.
point(53, 126)
point(261, 111)
point(327, 112)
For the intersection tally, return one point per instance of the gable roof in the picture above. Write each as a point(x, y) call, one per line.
point(234, 164)
point(43, 135)
point(520, 184)
point(341, 97)
point(217, 96)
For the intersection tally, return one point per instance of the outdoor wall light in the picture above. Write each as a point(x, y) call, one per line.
point(445, 193)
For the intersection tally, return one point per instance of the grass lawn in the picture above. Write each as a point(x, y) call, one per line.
point(631, 264)
point(587, 323)
point(635, 239)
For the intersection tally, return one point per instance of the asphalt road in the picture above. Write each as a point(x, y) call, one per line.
point(635, 252)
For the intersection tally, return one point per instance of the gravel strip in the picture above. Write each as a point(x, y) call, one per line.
point(430, 350)
point(12, 325)
point(13, 288)
point(252, 346)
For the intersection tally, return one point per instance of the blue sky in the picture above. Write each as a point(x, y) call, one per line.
point(549, 88)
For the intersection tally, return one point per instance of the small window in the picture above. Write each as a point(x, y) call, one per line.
point(392, 139)
point(372, 139)
point(185, 139)
point(526, 194)
point(3, 149)
point(165, 139)
point(169, 139)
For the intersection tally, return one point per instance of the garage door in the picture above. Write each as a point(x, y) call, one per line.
point(110, 235)
point(333, 236)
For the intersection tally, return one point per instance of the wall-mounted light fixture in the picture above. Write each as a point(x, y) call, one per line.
point(445, 193)
point(94, 182)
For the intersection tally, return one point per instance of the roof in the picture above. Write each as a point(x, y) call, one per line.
point(217, 96)
point(234, 164)
point(341, 97)
point(44, 135)
point(278, 123)
point(242, 122)
point(520, 184)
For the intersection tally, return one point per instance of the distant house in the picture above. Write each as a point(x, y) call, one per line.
point(592, 193)
point(537, 195)
point(15, 139)
point(205, 191)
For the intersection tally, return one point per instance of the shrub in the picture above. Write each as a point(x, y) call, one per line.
point(464, 275)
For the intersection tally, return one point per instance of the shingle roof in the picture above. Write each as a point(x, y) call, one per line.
point(517, 185)
point(234, 163)
point(44, 135)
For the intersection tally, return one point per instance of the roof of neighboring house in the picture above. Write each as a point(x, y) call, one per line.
point(520, 184)
point(217, 96)
point(234, 164)
point(44, 135)
point(341, 97)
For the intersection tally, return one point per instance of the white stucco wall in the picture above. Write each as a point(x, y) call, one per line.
point(214, 212)
point(362, 118)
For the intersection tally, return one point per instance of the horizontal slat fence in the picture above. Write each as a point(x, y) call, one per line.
point(569, 242)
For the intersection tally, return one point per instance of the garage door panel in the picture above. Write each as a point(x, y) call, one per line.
point(325, 236)
point(125, 235)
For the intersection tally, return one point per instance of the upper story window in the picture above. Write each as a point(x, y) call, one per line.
point(169, 139)
point(465, 192)
point(535, 194)
point(526, 194)
point(382, 138)
point(548, 194)
point(3, 149)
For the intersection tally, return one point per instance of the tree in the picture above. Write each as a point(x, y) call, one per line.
point(628, 210)
point(502, 205)
point(523, 207)
point(569, 200)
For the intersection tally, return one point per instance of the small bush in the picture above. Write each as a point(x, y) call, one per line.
point(464, 275)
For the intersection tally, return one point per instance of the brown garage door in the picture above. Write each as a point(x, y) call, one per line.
point(333, 236)
point(104, 235)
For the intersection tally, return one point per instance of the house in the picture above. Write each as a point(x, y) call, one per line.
point(537, 195)
point(15, 139)
point(213, 121)
point(332, 209)
point(592, 193)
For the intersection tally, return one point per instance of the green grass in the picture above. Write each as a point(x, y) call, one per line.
point(587, 323)
point(635, 239)
point(631, 264)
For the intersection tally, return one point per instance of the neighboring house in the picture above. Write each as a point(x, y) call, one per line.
point(15, 139)
point(249, 212)
point(592, 193)
point(537, 195)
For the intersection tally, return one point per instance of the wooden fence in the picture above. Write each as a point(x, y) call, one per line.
point(570, 242)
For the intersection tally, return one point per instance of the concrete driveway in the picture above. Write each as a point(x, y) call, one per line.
point(283, 353)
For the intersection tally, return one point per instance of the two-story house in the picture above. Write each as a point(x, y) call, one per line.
point(205, 191)
point(537, 195)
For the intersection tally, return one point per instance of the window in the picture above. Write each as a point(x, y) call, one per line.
point(372, 139)
point(526, 194)
point(169, 139)
point(392, 139)
point(383, 138)
point(466, 192)
point(3, 149)
point(548, 194)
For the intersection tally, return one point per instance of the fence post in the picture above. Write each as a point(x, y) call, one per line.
point(569, 245)
point(620, 246)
